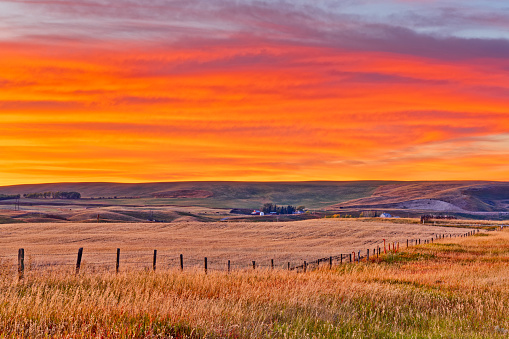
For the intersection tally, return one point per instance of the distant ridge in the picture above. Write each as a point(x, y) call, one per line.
point(453, 196)
point(447, 196)
point(228, 194)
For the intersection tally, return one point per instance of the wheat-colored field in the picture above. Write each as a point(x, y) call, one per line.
point(453, 288)
point(294, 242)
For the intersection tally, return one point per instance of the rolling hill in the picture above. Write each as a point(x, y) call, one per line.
point(446, 196)
point(216, 194)
point(450, 196)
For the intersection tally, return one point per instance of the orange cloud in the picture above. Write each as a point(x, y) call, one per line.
point(258, 111)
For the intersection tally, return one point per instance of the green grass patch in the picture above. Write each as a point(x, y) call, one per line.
point(448, 248)
point(402, 257)
point(8, 220)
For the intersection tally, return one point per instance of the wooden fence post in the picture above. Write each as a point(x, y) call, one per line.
point(359, 257)
point(385, 248)
point(21, 263)
point(367, 256)
point(305, 266)
point(407, 243)
point(78, 262)
point(288, 266)
point(117, 264)
point(330, 262)
point(205, 262)
point(254, 264)
point(154, 261)
point(350, 257)
point(181, 262)
point(228, 266)
point(271, 264)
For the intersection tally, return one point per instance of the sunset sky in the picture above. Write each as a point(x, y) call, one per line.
point(161, 90)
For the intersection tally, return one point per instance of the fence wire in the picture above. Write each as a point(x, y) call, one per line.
point(161, 260)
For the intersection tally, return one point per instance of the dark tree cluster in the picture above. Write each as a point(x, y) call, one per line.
point(8, 197)
point(429, 217)
point(268, 208)
point(53, 195)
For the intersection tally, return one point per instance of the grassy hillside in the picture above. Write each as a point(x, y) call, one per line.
point(453, 288)
point(453, 196)
point(222, 194)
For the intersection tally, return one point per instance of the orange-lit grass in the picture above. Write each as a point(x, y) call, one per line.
point(453, 288)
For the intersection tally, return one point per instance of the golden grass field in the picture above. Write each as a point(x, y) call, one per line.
point(293, 242)
point(453, 288)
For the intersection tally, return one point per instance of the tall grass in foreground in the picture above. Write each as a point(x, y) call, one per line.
point(457, 288)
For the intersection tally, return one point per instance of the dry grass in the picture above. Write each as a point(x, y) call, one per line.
point(239, 242)
point(453, 288)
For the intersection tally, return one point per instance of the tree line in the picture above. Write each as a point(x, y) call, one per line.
point(269, 208)
point(9, 196)
point(53, 195)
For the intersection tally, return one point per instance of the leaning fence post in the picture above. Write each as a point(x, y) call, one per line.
point(205, 264)
point(181, 262)
point(117, 264)
point(21, 263)
point(154, 261)
point(78, 262)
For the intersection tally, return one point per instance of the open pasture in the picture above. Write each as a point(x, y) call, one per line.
point(453, 288)
point(294, 242)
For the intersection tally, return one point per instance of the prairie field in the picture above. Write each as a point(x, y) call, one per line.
point(56, 244)
point(453, 288)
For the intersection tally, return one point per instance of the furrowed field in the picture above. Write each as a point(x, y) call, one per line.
point(453, 288)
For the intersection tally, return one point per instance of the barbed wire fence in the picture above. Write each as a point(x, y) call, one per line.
point(119, 260)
